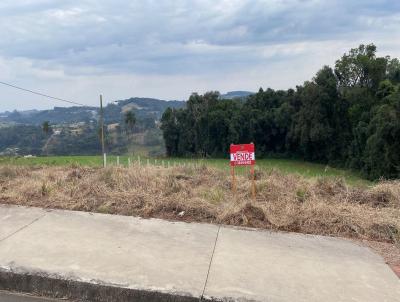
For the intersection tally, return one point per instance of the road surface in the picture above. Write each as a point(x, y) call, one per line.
point(14, 297)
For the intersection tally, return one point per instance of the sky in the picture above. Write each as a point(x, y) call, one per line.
point(77, 50)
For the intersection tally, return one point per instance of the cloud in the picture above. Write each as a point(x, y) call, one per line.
point(199, 43)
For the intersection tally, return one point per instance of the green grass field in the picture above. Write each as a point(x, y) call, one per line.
point(306, 169)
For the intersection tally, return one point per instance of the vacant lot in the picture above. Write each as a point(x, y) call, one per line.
point(286, 166)
point(286, 202)
point(199, 193)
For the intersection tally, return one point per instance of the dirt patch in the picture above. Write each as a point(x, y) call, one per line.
point(324, 206)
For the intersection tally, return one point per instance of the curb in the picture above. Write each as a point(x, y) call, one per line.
point(82, 291)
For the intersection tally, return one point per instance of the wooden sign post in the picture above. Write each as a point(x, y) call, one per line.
point(243, 155)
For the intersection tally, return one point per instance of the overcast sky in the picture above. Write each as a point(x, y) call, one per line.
point(169, 49)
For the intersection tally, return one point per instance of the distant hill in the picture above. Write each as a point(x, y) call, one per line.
point(236, 94)
point(113, 112)
point(57, 115)
point(143, 108)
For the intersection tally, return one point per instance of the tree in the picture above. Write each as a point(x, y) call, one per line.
point(361, 68)
point(393, 70)
point(382, 152)
point(130, 120)
point(171, 131)
point(46, 127)
point(346, 116)
point(321, 126)
point(198, 109)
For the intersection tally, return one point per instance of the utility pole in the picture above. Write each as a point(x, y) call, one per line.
point(102, 130)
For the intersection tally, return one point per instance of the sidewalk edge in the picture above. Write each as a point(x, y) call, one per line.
point(82, 291)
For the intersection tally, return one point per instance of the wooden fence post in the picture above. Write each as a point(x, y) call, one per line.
point(233, 180)
point(253, 183)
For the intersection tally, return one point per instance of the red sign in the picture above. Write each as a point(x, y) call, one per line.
point(242, 155)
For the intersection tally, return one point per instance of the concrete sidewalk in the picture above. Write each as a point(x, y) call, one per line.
point(100, 257)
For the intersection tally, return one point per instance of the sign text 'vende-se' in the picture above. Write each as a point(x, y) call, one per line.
point(243, 155)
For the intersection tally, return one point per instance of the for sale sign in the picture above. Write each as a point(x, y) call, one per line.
point(242, 155)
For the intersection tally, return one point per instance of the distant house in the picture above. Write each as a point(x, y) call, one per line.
point(112, 127)
point(77, 125)
point(76, 131)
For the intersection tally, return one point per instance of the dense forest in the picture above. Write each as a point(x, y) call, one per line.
point(345, 116)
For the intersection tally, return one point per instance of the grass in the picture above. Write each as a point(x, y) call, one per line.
point(286, 202)
point(286, 166)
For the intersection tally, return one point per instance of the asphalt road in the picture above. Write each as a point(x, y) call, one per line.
point(14, 297)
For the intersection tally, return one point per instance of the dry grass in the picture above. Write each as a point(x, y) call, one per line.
point(285, 202)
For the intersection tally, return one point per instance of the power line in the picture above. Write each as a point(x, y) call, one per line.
point(42, 94)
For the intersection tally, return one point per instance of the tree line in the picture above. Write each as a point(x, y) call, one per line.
point(347, 116)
